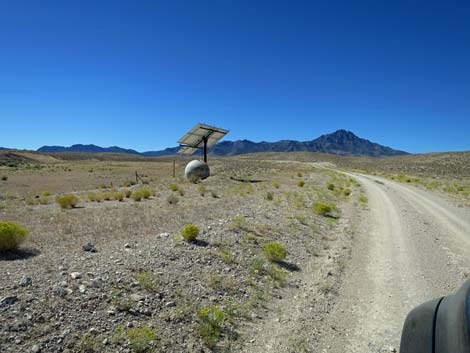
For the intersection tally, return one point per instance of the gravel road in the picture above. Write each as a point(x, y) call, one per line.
point(411, 246)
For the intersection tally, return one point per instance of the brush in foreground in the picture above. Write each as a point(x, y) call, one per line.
point(12, 235)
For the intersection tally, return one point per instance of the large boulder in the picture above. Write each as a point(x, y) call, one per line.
point(197, 169)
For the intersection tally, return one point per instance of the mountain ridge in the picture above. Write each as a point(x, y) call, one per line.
point(341, 142)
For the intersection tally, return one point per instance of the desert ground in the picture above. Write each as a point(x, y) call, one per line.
point(367, 239)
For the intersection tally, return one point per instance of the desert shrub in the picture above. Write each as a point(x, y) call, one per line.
point(269, 196)
point(44, 200)
point(107, 196)
point(201, 189)
point(172, 199)
point(141, 338)
point(148, 280)
point(137, 196)
point(275, 252)
point(299, 174)
point(181, 191)
point(347, 192)
point(146, 193)
point(127, 193)
point(301, 183)
point(31, 202)
point(173, 187)
point(330, 185)
point(322, 208)
point(67, 201)
point(211, 324)
point(92, 197)
point(276, 184)
point(4, 178)
point(12, 235)
point(257, 266)
point(362, 199)
point(214, 194)
point(302, 219)
point(277, 274)
point(190, 232)
point(194, 179)
point(119, 196)
point(239, 223)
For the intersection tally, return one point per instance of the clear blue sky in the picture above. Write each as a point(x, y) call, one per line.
point(138, 73)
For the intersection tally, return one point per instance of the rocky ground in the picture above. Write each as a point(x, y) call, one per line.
point(118, 277)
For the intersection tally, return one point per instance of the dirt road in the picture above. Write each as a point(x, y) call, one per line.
point(412, 246)
point(409, 246)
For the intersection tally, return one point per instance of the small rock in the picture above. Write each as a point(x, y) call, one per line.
point(8, 300)
point(164, 235)
point(90, 247)
point(26, 281)
point(61, 291)
point(127, 246)
point(333, 215)
point(170, 304)
point(76, 275)
point(82, 288)
point(36, 348)
point(137, 297)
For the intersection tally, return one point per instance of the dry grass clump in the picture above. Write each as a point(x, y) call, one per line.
point(12, 235)
point(190, 232)
point(172, 199)
point(276, 184)
point(173, 187)
point(127, 193)
point(201, 189)
point(67, 202)
point(269, 196)
point(119, 196)
point(137, 196)
point(275, 252)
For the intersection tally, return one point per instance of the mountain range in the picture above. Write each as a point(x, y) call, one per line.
point(341, 142)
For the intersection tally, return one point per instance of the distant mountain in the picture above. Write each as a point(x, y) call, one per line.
point(86, 149)
point(341, 142)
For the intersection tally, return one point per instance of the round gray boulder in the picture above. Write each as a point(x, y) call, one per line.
point(197, 169)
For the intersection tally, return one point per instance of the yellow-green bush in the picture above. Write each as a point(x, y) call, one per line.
point(330, 185)
point(322, 208)
point(119, 196)
point(301, 183)
point(12, 235)
point(190, 232)
point(67, 201)
point(146, 193)
point(347, 192)
point(141, 338)
point(174, 187)
point(201, 189)
point(211, 324)
point(276, 184)
point(137, 195)
point(275, 252)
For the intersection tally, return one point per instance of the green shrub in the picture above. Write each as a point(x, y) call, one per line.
point(12, 235)
point(299, 174)
point(276, 184)
point(137, 196)
point(190, 232)
point(347, 192)
point(46, 193)
point(330, 185)
point(269, 196)
point(301, 183)
point(174, 187)
point(141, 338)
point(362, 199)
point(146, 193)
point(275, 252)
point(148, 280)
point(91, 196)
point(211, 324)
point(172, 199)
point(4, 178)
point(322, 208)
point(67, 201)
point(107, 196)
point(201, 189)
point(127, 193)
point(119, 196)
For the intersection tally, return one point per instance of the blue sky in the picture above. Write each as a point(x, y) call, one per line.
point(138, 74)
